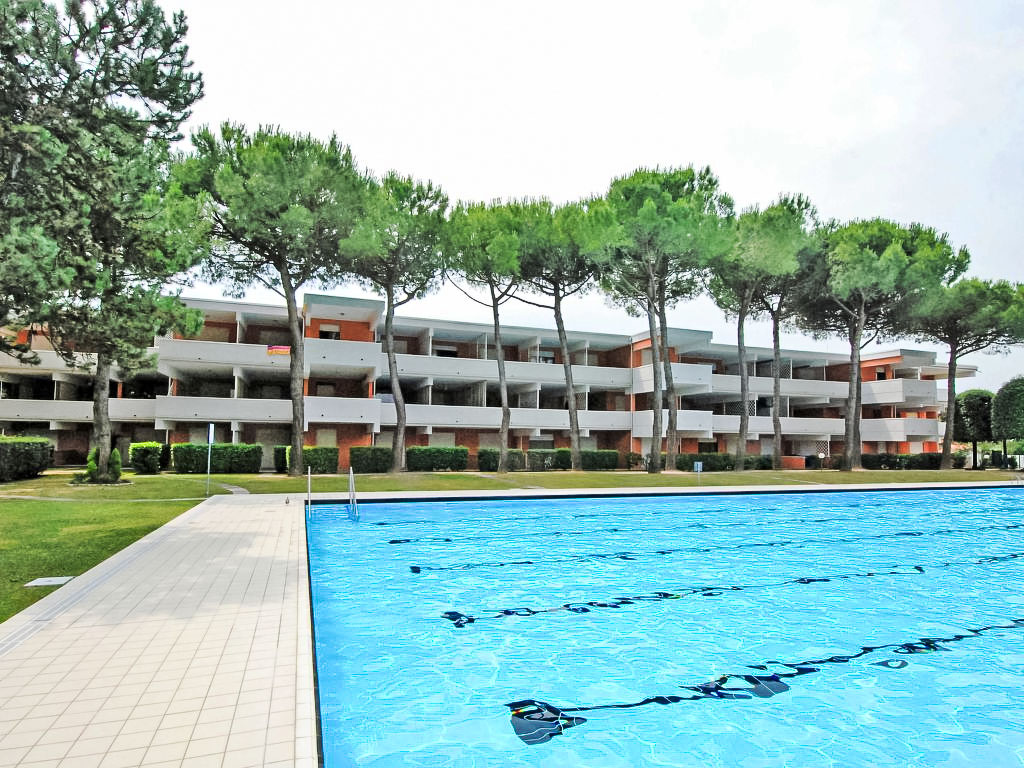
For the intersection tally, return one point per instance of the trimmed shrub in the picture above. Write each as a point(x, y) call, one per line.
point(959, 459)
point(712, 462)
point(367, 459)
point(22, 457)
point(635, 460)
point(540, 459)
point(165, 456)
point(424, 458)
point(487, 460)
point(225, 458)
point(145, 457)
point(599, 460)
point(320, 459)
point(281, 458)
point(563, 458)
point(114, 466)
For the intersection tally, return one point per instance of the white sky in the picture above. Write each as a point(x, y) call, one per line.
point(909, 110)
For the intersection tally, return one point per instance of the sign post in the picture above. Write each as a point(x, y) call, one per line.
point(698, 467)
point(209, 456)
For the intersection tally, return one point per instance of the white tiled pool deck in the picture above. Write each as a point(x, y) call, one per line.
point(192, 646)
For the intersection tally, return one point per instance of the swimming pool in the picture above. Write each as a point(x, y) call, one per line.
point(783, 629)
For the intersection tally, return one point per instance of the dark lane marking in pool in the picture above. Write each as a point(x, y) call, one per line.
point(536, 722)
point(795, 543)
point(460, 620)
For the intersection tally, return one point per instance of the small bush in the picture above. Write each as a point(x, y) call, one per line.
point(367, 459)
point(114, 466)
point(599, 460)
point(22, 457)
point(959, 459)
point(487, 460)
point(423, 458)
point(712, 462)
point(320, 459)
point(280, 459)
point(145, 457)
point(636, 460)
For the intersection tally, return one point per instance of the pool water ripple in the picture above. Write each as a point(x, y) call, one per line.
point(673, 631)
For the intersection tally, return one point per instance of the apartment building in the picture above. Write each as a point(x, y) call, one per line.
point(234, 374)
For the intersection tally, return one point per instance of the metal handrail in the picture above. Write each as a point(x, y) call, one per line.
point(353, 504)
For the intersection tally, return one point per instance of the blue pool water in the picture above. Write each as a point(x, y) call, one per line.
point(822, 629)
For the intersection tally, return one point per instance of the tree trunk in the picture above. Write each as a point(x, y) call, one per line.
point(295, 376)
point(506, 412)
point(974, 455)
point(851, 451)
point(947, 437)
point(858, 394)
point(574, 420)
point(741, 357)
point(398, 440)
point(654, 460)
point(776, 394)
point(101, 416)
point(672, 430)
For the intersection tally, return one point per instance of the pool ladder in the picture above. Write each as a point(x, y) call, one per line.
point(353, 504)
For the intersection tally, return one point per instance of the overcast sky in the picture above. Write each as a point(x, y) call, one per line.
point(909, 110)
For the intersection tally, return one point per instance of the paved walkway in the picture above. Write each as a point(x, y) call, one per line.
point(191, 647)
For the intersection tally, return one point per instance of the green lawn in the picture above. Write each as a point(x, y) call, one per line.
point(45, 538)
point(77, 526)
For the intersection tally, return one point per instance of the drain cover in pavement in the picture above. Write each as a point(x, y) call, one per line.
point(50, 581)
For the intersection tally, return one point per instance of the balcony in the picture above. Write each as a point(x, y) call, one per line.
point(476, 417)
point(328, 357)
point(209, 409)
point(688, 423)
point(688, 378)
point(344, 410)
point(899, 392)
point(761, 386)
point(217, 354)
point(901, 430)
point(791, 426)
point(121, 409)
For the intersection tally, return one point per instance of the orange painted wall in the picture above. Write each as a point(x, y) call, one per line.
point(350, 330)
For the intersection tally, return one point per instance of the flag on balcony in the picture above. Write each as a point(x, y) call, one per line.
point(278, 349)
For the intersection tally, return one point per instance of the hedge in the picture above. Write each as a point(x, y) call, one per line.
point(421, 458)
point(712, 462)
point(599, 460)
point(540, 459)
point(487, 459)
point(225, 458)
point(281, 458)
point(366, 459)
point(903, 460)
point(22, 457)
point(165, 456)
point(320, 459)
point(812, 461)
point(563, 458)
point(145, 457)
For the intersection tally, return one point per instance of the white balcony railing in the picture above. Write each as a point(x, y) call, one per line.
point(899, 429)
point(688, 423)
point(121, 409)
point(761, 386)
point(476, 417)
point(688, 378)
point(899, 392)
point(791, 426)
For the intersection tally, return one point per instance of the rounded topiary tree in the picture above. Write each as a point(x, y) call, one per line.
point(972, 421)
point(1008, 411)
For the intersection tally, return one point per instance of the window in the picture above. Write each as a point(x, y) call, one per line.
point(445, 351)
point(332, 332)
point(324, 389)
